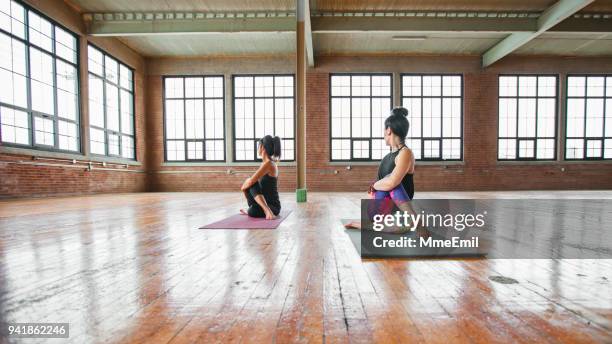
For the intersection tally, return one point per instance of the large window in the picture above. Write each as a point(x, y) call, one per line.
point(435, 113)
point(263, 105)
point(194, 118)
point(527, 115)
point(589, 117)
point(111, 106)
point(359, 105)
point(39, 103)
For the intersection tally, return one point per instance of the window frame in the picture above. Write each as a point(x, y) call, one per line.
point(461, 124)
point(535, 138)
point(119, 88)
point(584, 137)
point(351, 139)
point(34, 113)
point(255, 139)
point(187, 160)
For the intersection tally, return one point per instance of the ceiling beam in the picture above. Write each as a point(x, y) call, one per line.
point(142, 24)
point(308, 34)
point(549, 18)
point(129, 24)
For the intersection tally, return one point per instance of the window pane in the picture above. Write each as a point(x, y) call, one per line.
point(126, 77)
point(194, 119)
point(213, 87)
point(65, 45)
point(508, 86)
point(194, 87)
point(127, 115)
point(215, 126)
point(361, 149)
point(574, 148)
point(39, 79)
point(113, 144)
point(283, 86)
point(215, 150)
point(41, 72)
point(66, 90)
point(264, 86)
point(190, 113)
point(527, 109)
point(589, 117)
point(434, 104)
point(340, 86)
point(96, 101)
point(40, 32)
point(506, 149)
point(15, 126)
point(44, 132)
point(67, 136)
point(111, 69)
point(263, 105)
point(195, 150)
point(175, 150)
point(97, 141)
point(127, 147)
point(95, 61)
point(359, 105)
point(112, 107)
point(546, 149)
point(341, 149)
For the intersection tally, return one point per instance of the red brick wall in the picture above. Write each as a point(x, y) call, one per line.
point(24, 179)
point(480, 169)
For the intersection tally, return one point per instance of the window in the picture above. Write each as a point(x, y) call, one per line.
point(435, 113)
point(589, 117)
point(194, 118)
point(263, 105)
point(39, 104)
point(111, 106)
point(359, 104)
point(527, 115)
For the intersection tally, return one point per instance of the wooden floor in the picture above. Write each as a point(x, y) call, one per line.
point(134, 268)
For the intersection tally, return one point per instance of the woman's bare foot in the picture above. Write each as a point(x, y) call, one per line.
point(353, 225)
point(243, 212)
point(270, 215)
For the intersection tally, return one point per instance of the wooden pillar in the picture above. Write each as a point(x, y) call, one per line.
point(301, 103)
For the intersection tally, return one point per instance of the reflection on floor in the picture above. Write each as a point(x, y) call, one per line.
point(135, 268)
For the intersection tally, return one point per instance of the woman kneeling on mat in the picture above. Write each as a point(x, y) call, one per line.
point(394, 185)
point(261, 188)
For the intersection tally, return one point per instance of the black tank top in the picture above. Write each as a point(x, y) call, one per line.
point(386, 167)
point(269, 189)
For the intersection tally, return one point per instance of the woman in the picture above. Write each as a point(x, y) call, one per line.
point(261, 189)
point(394, 185)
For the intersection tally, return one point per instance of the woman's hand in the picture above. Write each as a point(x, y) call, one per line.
point(371, 189)
point(247, 184)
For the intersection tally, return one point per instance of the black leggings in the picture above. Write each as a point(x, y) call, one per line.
point(254, 209)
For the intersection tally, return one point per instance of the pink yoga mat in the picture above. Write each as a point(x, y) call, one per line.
point(240, 221)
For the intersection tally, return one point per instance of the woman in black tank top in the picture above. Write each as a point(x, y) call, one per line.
point(394, 186)
point(261, 189)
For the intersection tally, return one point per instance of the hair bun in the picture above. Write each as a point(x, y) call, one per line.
point(400, 111)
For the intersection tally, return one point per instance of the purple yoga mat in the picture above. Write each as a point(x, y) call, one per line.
point(240, 221)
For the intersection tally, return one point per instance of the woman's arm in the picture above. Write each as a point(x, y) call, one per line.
point(403, 164)
point(261, 171)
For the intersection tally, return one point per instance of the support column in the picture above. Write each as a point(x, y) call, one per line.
point(301, 103)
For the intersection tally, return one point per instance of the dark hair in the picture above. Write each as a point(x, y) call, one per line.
point(398, 123)
point(272, 146)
